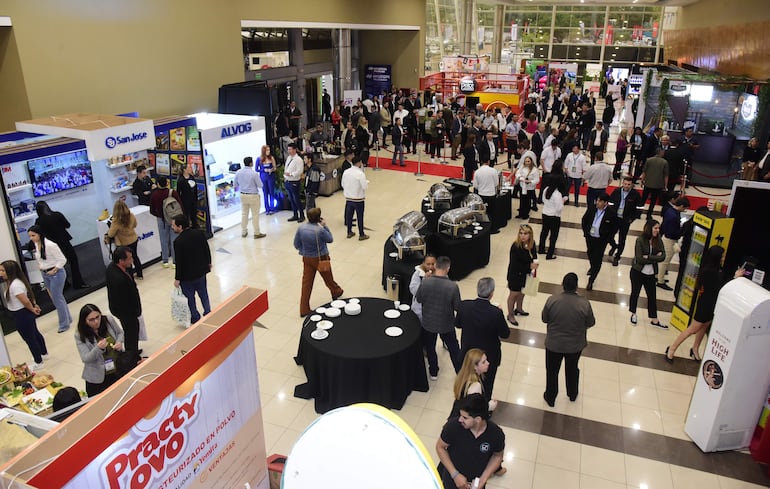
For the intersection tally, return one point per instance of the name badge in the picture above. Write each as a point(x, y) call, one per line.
point(109, 365)
point(573, 169)
point(594, 231)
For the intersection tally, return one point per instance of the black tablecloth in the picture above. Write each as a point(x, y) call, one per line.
point(403, 268)
point(358, 362)
point(467, 254)
point(503, 204)
point(432, 216)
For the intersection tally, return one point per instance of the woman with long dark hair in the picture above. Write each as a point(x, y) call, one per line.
point(123, 230)
point(97, 335)
point(710, 280)
point(188, 192)
point(648, 252)
point(51, 261)
point(266, 166)
point(21, 302)
point(55, 226)
point(470, 157)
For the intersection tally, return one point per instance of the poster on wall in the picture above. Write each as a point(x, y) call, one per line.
point(465, 64)
point(162, 164)
point(193, 139)
point(195, 165)
point(350, 97)
point(208, 433)
point(178, 162)
point(377, 79)
point(161, 140)
point(178, 139)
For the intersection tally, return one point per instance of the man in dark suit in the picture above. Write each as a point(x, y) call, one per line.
point(193, 262)
point(123, 297)
point(598, 228)
point(488, 149)
point(397, 135)
point(483, 325)
point(598, 135)
point(675, 158)
point(538, 141)
point(626, 203)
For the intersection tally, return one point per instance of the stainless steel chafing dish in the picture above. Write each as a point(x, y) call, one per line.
point(406, 238)
point(476, 203)
point(415, 218)
point(440, 196)
point(452, 221)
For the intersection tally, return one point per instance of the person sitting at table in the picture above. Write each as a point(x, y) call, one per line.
point(424, 269)
point(440, 298)
point(310, 240)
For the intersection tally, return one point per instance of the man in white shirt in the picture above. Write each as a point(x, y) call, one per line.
point(598, 176)
point(550, 154)
point(485, 183)
point(401, 113)
point(292, 175)
point(354, 186)
point(574, 166)
point(248, 183)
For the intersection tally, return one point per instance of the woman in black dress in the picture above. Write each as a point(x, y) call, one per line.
point(55, 226)
point(522, 261)
point(470, 157)
point(188, 192)
point(710, 281)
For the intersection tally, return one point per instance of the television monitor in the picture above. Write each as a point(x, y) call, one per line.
point(60, 172)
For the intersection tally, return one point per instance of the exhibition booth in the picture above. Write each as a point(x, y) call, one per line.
point(227, 139)
point(721, 110)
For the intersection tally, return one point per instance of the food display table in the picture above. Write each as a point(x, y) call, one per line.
point(431, 215)
point(403, 269)
point(468, 252)
point(359, 362)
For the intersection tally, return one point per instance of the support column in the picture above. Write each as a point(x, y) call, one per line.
point(604, 37)
point(467, 34)
point(342, 63)
point(550, 37)
point(497, 37)
point(297, 59)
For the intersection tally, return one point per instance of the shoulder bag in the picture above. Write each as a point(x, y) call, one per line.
point(323, 265)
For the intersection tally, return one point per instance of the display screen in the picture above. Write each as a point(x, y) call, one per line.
point(58, 173)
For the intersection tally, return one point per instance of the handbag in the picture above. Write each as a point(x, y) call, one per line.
point(180, 310)
point(323, 265)
point(532, 284)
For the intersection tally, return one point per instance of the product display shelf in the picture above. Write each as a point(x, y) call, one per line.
point(25, 217)
point(118, 165)
point(119, 190)
point(18, 189)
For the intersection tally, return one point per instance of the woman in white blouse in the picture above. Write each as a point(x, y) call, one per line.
point(21, 302)
point(51, 261)
point(527, 177)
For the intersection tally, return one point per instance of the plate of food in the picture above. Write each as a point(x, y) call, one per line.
point(5, 375)
point(41, 381)
point(325, 324)
point(319, 334)
point(394, 331)
point(12, 395)
point(37, 401)
point(392, 314)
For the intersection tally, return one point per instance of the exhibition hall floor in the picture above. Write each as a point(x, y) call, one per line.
point(624, 430)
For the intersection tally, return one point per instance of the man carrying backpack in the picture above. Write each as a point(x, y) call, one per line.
point(164, 205)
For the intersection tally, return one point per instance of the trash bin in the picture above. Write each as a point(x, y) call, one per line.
point(393, 284)
point(275, 465)
point(330, 166)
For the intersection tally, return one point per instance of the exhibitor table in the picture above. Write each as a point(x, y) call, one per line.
point(358, 362)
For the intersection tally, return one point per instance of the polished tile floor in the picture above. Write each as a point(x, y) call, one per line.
point(624, 431)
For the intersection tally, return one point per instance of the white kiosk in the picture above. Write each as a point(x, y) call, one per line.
point(734, 376)
point(226, 140)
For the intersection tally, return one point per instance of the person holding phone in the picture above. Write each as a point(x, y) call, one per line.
point(311, 240)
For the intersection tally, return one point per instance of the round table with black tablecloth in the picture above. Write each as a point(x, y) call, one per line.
point(432, 215)
point(358, 362)
point(467, 254)
point(403, 269)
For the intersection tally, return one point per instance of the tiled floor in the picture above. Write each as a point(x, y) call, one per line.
point(624, 431)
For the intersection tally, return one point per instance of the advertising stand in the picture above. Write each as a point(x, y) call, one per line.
point(733, 380)
point(188, 417)
point(226, 140)
point(178, 145)
point(710, 228)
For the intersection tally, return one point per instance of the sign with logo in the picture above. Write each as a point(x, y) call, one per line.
point(350, 97)
point(467, 84)
point(228, 129)
point(749, 107)
point(119, 140)
point(377, 79)
point(205, 434)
